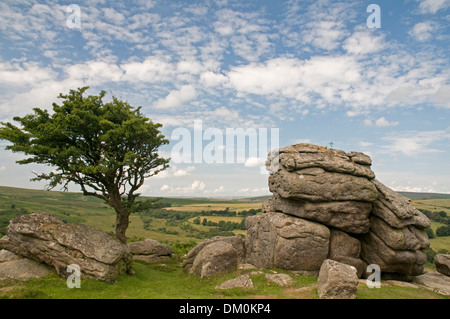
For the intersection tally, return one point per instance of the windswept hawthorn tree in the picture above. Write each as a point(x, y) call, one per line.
point(108, 149)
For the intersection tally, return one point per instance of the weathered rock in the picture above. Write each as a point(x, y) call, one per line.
point(243, 281)
point(346, 249)
point(442, 262)
point(280, 279)
point(408, 237)
point(23, 269)
point(279, 240)
point(434, 281)
point(43, 237)
point(396, 209)
point(196, 259)
point(407, 262)
point(215, 258)
point(150, 250)
point(302, 156)
point(317, 185)
point(349, 216)
point(337, 281)
point(6, 256)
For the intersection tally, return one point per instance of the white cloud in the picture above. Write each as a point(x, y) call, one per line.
point(363, 42)
point(422, 31)
point(151, 70)
point(112, 16)
point(254, 162)
point(175, 172)
point(183, 172)
point(177, 97)
point(416, 143)
point(381, 122)
point(196, 187)
point(95, 72)
point(433, 6)
point(22, 74)
point(164, 188)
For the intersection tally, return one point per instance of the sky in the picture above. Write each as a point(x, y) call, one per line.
point(367, 76)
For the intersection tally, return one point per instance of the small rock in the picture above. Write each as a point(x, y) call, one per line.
point(337, 281)
point(280, 279)
point(442, 262)
point(247, 266)
point(243, 281)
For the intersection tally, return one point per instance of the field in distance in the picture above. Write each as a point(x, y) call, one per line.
point(174, 221)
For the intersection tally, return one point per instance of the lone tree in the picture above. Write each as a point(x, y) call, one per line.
point(108, 149)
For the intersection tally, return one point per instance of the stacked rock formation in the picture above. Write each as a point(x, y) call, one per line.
point(327, 204)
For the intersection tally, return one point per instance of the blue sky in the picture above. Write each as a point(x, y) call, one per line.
point(314, 70)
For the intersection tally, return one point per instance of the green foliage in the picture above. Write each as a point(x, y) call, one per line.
point(443, 231)
point(430, 254)
point(430, 233)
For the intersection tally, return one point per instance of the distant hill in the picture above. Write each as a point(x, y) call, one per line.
point(413, 195)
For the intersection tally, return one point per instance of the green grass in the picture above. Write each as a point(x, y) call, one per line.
point(168, 281)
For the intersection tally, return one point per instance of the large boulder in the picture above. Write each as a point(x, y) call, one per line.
point(279, 240)
point(215, 255)
point(337, 281)
point(44, 238)
point(150, 251)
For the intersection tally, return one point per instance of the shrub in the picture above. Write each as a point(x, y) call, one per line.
point(443, 231)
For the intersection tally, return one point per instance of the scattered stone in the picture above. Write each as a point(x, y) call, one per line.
point(150, 251)
point(246, 266)
point(44, 238)
point(279, 240)
point(442, 262)
point(434, 281)
point(280, 279)
point(243, 281)
point(337, 281)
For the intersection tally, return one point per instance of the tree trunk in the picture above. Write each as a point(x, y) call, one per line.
point(122, 218)
point(122, 221)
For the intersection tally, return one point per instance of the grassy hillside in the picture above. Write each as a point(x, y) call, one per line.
point(75, 207)
point(174, 224)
